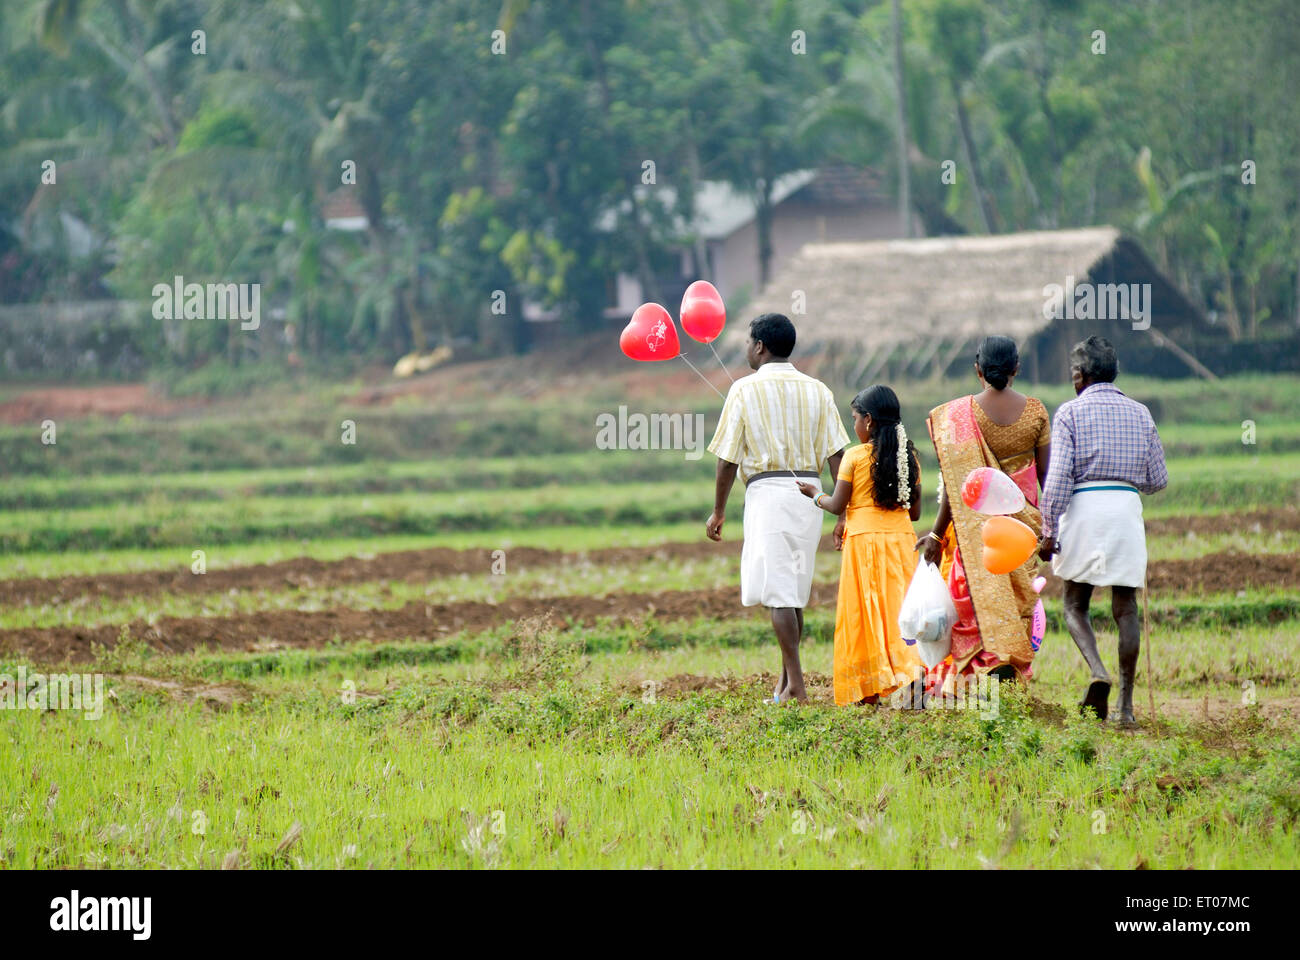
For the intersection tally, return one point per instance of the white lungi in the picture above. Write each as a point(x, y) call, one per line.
point(1102, 537)
point(782, 530)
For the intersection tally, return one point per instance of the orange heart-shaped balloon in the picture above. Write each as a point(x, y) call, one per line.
point(650, 334)
point(1008, 543)
point(703, 314)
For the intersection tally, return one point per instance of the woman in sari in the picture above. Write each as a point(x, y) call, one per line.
point(1001, 428)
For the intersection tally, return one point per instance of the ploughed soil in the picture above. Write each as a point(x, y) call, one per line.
point(558, 370)
point(271, 629)
point(268, 629)
point(415, 566)
point(1215, 573)
point(65, 403)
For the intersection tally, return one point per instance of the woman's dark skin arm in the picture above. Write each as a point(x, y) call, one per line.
point(836, 502)
point(1041, 456)
point(837, 535)
point(841, 486)
point(933, 549)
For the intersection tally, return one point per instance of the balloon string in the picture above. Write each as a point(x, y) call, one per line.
point(721, 364)
point(682, 356)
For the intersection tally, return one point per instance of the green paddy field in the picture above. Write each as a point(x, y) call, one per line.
point(472, 639)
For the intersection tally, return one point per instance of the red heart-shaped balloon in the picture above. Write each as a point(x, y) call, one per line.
point(703, 313)
point(650, 334)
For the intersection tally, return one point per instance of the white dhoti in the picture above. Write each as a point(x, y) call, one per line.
point(1102, 537)
point(782, 530)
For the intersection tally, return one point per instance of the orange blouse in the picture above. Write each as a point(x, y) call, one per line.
point(862, 514)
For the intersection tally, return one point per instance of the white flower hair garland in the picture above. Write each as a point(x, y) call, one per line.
point(904, 474)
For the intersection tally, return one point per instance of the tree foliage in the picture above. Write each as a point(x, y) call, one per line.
point(502, 168)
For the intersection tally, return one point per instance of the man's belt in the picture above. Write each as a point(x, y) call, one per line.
point(767, 475)
point(1105, 485)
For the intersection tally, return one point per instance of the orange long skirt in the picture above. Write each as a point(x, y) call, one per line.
point(870, 655)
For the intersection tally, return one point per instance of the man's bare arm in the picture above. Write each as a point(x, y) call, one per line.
point(725, 479)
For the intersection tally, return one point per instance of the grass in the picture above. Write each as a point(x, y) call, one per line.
point(1207, 484)
point(568, 579)
point(567, 538)
point(255, 518)
point(438, 475)
point(520, 747)
point(49, 564)
point(558, 773)
point(305, 430)
point(1207, 659)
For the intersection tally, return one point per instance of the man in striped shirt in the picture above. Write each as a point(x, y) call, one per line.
point(1105, 451)
point(777, 425)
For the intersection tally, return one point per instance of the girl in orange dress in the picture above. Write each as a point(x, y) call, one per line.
point(879, 484)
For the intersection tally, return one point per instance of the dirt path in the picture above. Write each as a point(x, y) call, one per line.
point(1213, 573)
point(271, 629)
point(415, 566)
point(1207, 709)
point(111, 400)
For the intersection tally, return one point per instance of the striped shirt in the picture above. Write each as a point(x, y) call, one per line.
point(778, 419)
point(1101, 435)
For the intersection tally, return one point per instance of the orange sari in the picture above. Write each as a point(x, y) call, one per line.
point(994, 613)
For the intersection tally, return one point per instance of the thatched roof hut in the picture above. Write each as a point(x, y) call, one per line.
point(917, 307)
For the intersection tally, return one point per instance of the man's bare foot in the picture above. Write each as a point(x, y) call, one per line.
point(1096, 699)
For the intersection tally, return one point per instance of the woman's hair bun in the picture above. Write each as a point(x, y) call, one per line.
point(997, 359)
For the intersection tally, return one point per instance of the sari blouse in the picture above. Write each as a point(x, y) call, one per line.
point(1015, 444)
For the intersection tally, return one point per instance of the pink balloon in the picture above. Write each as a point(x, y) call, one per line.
point(703, 313)
point(1039, 628)
point(650, 334)
point(989, 490)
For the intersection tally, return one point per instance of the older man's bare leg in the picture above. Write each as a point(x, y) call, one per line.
point(1078, 598)
point(1124, 608)
point(787, 622)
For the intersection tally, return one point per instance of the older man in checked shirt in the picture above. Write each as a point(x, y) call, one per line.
point(1105, 451)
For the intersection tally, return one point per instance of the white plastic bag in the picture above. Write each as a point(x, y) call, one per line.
point(927, 615)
